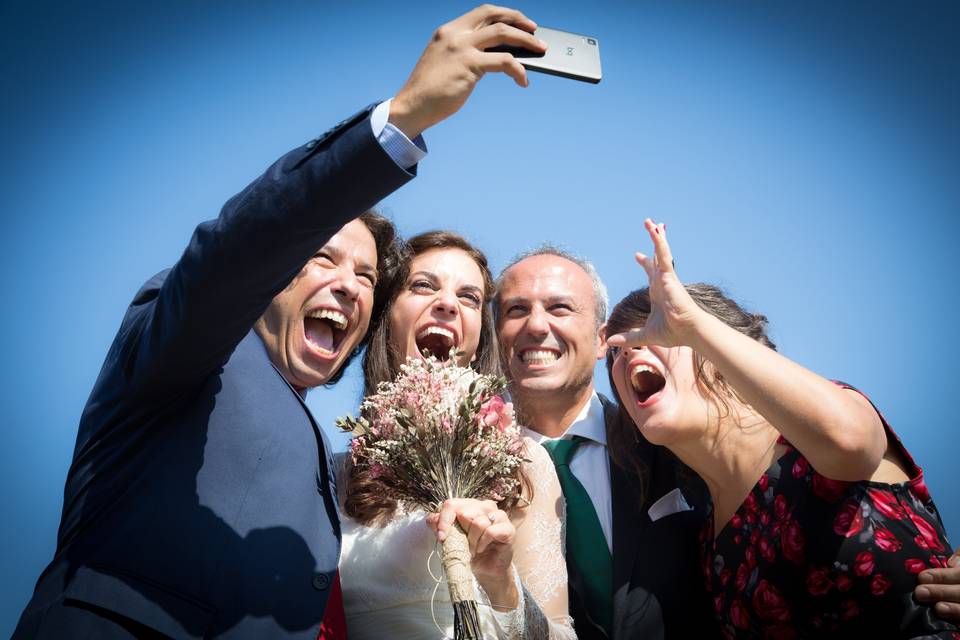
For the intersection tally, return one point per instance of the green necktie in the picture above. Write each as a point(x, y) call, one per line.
point(586, 545)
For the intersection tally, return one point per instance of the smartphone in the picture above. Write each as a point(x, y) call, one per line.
point(569, 55)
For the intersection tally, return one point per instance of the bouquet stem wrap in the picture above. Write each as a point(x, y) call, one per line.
point(456, 566)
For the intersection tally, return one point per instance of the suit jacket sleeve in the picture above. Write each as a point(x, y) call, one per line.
point(178, 332)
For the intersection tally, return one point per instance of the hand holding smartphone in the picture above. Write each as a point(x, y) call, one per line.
point(569, 55)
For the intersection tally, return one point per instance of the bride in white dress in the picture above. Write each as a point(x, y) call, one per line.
point(440, 301)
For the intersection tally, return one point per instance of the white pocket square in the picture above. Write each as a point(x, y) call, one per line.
point(672, 502)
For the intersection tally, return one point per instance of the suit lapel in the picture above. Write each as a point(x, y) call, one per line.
point(326, 480)
point(628, 520)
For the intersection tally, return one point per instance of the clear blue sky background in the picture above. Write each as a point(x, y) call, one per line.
point(804, 155)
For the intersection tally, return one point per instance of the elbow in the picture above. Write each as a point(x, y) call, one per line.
point(857, 453)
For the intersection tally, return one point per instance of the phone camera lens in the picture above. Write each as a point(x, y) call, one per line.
point(591, 41)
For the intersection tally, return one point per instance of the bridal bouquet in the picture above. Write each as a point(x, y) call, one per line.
point(440, 431)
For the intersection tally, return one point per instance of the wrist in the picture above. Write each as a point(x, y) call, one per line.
point(501, 590)
point(403, 117)
point(697, 327)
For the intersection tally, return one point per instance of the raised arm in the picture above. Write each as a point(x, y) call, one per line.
point(836, 429)
point(178, 333)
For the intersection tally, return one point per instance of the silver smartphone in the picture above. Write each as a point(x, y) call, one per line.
point(569, 55)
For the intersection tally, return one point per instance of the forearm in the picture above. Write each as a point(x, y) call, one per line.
point(840, 434)
point(236, 264)
point(502, 592)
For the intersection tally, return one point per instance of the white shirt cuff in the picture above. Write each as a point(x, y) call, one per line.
point(398, 146)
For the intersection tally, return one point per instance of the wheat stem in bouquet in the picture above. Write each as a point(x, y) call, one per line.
point(440, 431)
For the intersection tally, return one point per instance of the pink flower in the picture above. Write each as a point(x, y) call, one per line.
point(879, 584)
point(725, 576)
point(743, 576)
point(766, 550)
point(886, 540)
point(849, 520)
point(928, 535)
point(844, 582)
point(497, 413)
point(780, 506)
point(792, 542)
point(827, 489)
point(818, 581)
point(739, 614)
point(849, 609)
point(886, 503)
point(800, 468)
point(769, 603)
point(914, 565)
point(864, 565)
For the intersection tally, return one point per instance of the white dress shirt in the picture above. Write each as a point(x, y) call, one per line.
point(398, 146)
point(590, 464)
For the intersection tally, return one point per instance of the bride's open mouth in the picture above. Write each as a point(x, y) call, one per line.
point(437, 341)
point(647, 383)
point(324, 330)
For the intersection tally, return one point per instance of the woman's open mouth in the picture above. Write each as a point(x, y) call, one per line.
point(325, 330)
point(437, 341)
point(647, 383)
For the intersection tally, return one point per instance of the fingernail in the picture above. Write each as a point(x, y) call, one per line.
point(542, 43)
point(954, 561)
point(925, 577)
point(441, 536)
point(922, 593)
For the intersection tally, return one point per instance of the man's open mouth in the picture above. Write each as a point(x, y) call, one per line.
point(646, 382)
point(325, 330)
point(437, 341)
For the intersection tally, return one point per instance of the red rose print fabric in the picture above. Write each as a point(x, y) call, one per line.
point(809, 557)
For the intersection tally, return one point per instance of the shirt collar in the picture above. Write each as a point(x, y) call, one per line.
point(588, 424)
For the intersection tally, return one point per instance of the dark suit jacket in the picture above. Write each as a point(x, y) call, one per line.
point(200, 500)
point(658, 585)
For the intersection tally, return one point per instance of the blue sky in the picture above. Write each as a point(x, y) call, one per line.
point(804, 156)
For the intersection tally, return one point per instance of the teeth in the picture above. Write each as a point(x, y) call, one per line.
point(643, 368)
point(440, 331)
point(539, 356)
point(336, 317)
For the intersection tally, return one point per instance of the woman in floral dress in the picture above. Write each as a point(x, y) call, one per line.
point(820, 519)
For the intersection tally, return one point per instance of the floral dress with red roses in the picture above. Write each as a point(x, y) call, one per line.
point(809, 557)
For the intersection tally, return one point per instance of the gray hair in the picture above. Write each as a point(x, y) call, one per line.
point(600, 298)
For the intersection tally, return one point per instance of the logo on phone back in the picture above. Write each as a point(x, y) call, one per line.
point(569, 51)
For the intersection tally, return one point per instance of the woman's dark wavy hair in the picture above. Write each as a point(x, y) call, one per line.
point(632, 312)
point(364, 497)
point(388, 258)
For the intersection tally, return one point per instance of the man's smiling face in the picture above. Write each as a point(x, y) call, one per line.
point(547, 326)
point(312, 326)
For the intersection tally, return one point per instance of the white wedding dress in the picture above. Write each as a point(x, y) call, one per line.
point(388, 589)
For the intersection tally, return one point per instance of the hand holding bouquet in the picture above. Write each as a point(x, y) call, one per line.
point(436, 433)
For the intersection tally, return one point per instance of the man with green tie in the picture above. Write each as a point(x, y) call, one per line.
point(631, 537)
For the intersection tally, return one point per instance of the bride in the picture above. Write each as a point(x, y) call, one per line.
point(439, 301)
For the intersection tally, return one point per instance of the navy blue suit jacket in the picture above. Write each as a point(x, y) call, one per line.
point(200, 500)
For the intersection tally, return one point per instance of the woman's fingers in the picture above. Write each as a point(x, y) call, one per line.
point(664, 257)
point(628, 339)
point(501, 532)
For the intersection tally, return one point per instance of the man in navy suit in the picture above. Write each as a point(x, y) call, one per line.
point(200, 501)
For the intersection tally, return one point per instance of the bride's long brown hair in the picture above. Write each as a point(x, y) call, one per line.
point(365, 499)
